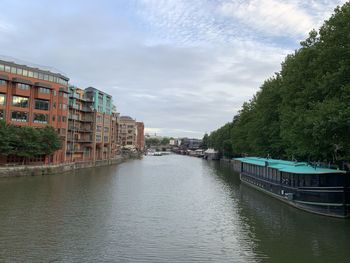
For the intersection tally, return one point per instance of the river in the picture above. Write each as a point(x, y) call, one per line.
point(159, 209)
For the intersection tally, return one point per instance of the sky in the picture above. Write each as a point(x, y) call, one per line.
point(183, 67)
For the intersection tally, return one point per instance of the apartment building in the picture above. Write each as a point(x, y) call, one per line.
point(35, 97)
point(92, 130)
point(81, 126)
point(127, 132)
point(140, 136)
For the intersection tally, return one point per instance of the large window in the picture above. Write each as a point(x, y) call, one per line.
point(2, 82)
point(2, 114)
point(44, 90)
point(23, 86)
point(40, 118)
point(19, 116)
point(20, 102)
point(2, 99)
point(42, 104)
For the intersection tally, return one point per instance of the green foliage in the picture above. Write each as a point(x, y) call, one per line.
point(28, 141)
point(156, 141)
point(304, 110)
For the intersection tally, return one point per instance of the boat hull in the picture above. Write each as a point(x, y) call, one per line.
point(293, 197)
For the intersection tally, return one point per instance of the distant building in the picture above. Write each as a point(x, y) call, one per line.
point(127, 132)
point(34, 97)
point(140, 140)
point(191, 144)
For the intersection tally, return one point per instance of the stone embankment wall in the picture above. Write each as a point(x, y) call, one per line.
point(24, 170)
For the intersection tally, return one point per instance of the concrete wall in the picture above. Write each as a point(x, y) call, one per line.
point(59, 168)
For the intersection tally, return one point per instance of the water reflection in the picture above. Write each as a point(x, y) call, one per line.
point(159, 209)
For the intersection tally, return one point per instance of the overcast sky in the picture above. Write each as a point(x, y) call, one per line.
point(182, 67)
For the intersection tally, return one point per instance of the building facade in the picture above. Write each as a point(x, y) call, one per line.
point(34, 97)
point(140, 136)
point(92, 126)
point(127, 132)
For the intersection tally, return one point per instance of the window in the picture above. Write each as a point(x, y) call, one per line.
point(53, 118)
point(23, 86)
point(54, 93)
point(25, 72)
point(64, 118)
point(41, 76)
point(42, 104)
point(54, 105)
point(30, 74)
point(2, 99)
point(13, 70)
point(64, 106)
point(106, 129)
point(98, 137)
point(20, 102)
point(19, 71)
point(2, 67)
point(35, 74)
point(46, 77)
point(50, 78)
point(98, 128)
point(105, 138)
point(19, 116)
point(2, 114)
point(7, 68)
point(99, 119)
point(40, 118)
point(44, 90)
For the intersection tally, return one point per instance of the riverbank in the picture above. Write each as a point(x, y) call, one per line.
point(35, 170)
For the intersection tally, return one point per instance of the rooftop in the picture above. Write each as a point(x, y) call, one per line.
point(288, 166)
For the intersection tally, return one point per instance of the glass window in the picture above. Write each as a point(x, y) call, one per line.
point(7, 68)
point(42, 104)
point(23, 86)
point(44, 90)
point(64, 119)
point(41, 75)
point(54, 92)
point(13, 70)
point(106, 129)
point(25, 72)
point(53, 117)
point(40, 118)
point(98, 128)
point(19, 71)
point(20, 102)
point(35, 75)
point(46, 77)
point(98, 137)
point(50, 78)
point(2, 114)
point(2, 82)
point(2, 67)
point(19, 116)
point(105, 138)
point(30, 74)
point(2, 99)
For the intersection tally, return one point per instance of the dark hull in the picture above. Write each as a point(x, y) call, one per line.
point(331, 201)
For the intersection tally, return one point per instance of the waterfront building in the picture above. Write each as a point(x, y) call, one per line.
point(34, 97)
point(127, 132)
point(81, 126)
point(140, 137)
point(92, 125)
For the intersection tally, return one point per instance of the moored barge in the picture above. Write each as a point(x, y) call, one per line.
point(314, 189)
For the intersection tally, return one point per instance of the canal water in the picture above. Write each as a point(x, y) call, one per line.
point(159, 209)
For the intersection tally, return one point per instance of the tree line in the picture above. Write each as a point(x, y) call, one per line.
point(303, 111)
point(28, 142)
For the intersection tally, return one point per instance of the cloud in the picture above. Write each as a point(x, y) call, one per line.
point(182, 67)
point(270, 16)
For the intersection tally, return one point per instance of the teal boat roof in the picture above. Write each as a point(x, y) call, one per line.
point(288, 166)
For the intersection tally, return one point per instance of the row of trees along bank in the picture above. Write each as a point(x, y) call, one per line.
point(302, 112)
point(28, 142)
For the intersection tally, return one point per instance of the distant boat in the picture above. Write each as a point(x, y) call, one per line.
point(314, 189)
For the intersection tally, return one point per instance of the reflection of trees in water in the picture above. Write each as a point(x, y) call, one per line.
point(284, 233)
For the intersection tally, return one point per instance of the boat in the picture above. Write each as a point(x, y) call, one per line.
point(308, 187)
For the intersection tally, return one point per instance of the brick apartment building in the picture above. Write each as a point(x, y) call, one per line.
point(140, 136)
point(34, 97)
point(86, 120)
point(92, 128)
